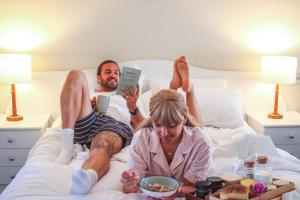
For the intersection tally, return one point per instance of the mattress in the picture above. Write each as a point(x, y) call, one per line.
point(42, 178)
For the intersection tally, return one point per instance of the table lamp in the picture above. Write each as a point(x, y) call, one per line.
point(14, 68)
point(278, 70)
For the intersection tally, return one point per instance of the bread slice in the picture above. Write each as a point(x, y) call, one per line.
point(234, 191)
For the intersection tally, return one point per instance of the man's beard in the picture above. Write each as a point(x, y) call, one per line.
point(105, 84)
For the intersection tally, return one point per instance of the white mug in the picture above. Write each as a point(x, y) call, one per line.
point(102, 103)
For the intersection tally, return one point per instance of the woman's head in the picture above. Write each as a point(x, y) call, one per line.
point(168, 114)
point(168, 108)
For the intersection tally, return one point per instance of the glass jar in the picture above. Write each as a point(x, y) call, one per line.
point(216, 183)
point(263, 171)
point(248, 169)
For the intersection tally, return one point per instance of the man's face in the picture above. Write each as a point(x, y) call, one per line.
point(169, 134)
point(109, 77)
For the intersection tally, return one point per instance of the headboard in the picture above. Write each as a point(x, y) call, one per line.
point(42, 94)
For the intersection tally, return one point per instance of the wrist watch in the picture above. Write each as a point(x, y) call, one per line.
point(136, 110)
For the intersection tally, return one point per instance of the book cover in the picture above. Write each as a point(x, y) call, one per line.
point(130, 77)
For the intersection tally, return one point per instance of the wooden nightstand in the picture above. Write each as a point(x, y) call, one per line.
point(285, 133)
point(16, 140)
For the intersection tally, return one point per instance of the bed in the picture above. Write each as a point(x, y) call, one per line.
point(225, 123)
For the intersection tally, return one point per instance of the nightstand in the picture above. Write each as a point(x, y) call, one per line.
point(16, 140)
point(285, 133)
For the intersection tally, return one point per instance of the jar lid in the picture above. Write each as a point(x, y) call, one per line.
point(214, 179)
point(262, 159)
point(249, 163)
point(203, 184)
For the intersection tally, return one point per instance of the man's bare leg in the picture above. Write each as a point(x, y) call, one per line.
point(75, 104)
point(104, 145)
point(75, 101)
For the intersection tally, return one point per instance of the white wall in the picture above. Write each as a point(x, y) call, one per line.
point(81, 33)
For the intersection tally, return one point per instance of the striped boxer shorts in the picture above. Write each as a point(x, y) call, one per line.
point(86, 128)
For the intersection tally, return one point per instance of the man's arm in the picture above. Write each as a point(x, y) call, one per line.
point(131, 98)
point(136, 117)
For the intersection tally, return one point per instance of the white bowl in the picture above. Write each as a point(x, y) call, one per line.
point(164, 180)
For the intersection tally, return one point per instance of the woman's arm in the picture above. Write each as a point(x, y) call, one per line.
point(137, 163)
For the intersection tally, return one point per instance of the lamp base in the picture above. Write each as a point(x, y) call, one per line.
point(275, 116)
point(14, 118)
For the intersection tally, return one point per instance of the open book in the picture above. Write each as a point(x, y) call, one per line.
point(130, 77)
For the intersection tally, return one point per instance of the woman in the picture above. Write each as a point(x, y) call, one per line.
point(170, 142)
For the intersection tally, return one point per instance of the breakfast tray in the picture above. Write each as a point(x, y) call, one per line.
point(269, 195)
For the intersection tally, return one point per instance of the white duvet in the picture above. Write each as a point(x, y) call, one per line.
point(42, 178)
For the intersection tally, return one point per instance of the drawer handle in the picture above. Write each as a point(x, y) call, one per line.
point(291, 136)
point(12, 176)
point(10, 140)
point(11, 158)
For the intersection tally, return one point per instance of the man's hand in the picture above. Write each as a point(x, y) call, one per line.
point(131, 97)
point(93, 102)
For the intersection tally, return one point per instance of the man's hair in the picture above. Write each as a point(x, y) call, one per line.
point(105, 62)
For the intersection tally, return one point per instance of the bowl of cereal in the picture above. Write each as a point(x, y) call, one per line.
point(159, 186)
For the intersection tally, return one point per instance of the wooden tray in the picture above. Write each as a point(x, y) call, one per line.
point(269, 195)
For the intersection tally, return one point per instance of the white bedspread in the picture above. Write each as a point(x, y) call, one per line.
point(42, 178)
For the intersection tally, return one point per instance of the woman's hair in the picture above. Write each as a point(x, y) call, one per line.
point(168, 107)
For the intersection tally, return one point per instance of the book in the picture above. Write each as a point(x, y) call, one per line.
point(129, 78)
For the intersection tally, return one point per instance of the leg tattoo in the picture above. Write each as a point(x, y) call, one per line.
point(110, 141)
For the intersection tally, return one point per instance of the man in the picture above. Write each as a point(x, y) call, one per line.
point(104, 134)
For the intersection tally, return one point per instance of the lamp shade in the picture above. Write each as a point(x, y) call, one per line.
point(15, 68)
point(279, 69)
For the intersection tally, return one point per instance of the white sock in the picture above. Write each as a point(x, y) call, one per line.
point(67, 150)
point(83, 180)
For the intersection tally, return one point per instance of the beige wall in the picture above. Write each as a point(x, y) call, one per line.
point(81, 33)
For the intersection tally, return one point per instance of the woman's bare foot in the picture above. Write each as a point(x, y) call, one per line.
point(176, 80)
point(183, 70)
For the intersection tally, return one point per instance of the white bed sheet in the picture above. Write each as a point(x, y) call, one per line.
point(42, 178)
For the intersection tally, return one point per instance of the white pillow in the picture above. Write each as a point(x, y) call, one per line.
point(158, 84)
point(220, 107)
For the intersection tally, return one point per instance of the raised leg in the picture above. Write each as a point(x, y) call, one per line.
point(176, 80)
point(183, 70)
point(75, 104)
point(75, 100)
point(193, 106)
point(181, 78)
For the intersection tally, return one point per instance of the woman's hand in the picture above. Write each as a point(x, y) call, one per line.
point(130, 180)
